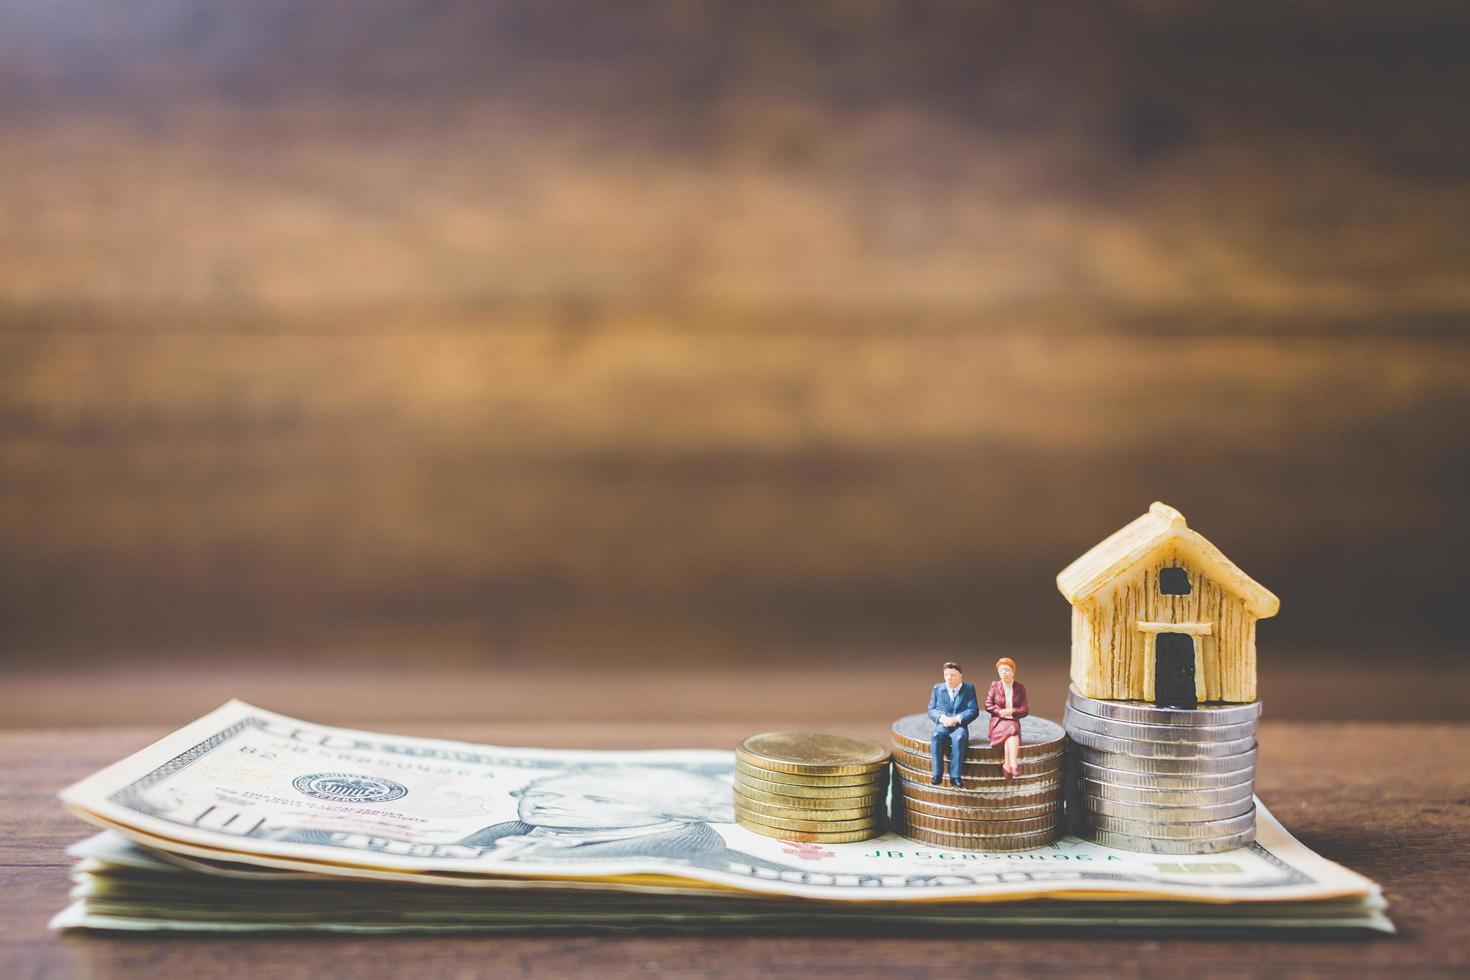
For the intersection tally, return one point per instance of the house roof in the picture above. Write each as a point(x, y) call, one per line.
point(1138, 540)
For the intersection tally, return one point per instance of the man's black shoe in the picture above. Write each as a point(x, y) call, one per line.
point(957, 783)
point(935, 781)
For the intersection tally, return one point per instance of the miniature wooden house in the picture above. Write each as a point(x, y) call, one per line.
point(1160, 614)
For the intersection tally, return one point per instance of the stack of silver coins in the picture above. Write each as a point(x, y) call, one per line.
point(989, 812)
point(1162, 780)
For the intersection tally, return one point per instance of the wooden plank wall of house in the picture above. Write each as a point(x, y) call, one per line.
point(1117, 661)
point(644, 330)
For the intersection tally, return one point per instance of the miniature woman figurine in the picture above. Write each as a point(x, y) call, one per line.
point(1006, 702)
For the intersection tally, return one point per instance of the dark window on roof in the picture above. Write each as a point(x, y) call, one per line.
point(1173, 581)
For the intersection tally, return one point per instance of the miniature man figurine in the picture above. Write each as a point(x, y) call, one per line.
point(952, 706)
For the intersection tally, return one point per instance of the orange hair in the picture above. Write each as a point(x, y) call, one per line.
point(1006, 660)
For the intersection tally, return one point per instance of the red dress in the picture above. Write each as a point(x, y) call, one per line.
point(995, 702)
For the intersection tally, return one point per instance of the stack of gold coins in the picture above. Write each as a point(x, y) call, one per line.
point(805, 786)
point(989, 812)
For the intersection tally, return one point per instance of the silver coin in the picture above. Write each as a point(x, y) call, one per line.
point(1165, 797)
point(1156, 845)
point(1167, 766)
point(1180, 782)
point(1161, 750)
point(1145, 713)
point(1157, 733)
point(1039, 737)
point(1152, 750)
point(1176, 831)
point(1154, 813)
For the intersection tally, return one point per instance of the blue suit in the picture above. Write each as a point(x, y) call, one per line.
point(964, 706)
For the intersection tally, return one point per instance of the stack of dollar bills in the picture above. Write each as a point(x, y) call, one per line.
point(247, 820)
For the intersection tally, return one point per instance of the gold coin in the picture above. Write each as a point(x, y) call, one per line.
point(982, 828)
point(804, 779)
point(816, 826)
point(804, 836)
point(876, 791)
point(1015, 842)
point(982, 812)
point(980, 797)
point(1039, 737)
point(974, 767)
point(753, 807)
point(812, 753)
point(1031, 776)
point(811, 802)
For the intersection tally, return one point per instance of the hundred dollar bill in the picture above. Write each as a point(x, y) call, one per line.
point(252, 792)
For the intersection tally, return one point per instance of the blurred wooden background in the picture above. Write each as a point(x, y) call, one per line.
point(464, 340)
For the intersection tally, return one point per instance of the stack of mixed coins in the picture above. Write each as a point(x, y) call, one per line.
point(804, 786)
point(1163, 780)
point(991, 813)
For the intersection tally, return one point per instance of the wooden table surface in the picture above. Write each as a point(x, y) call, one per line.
point(1389, 801)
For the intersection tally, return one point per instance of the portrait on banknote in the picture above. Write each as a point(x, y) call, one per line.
point(391, 796)
point(614, 811)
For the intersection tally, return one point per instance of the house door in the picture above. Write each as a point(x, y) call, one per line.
point(1174, 670)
